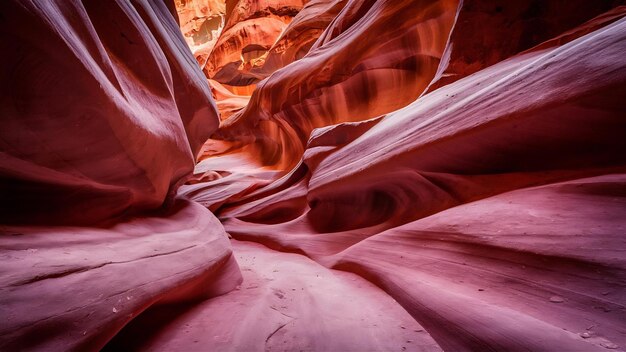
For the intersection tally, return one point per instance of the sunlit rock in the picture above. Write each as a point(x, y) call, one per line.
point(415, 175)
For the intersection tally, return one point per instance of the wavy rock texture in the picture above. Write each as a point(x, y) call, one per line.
point(232, 40)
point(298, 302)
point(73, 288)
point(300, 35)
point(252, 28)
point(407, 164)
point(533, 269)
point(104, 110)
point(315, 91)
point(417, 175)
point(526, 24)
point(491, 207)
point(201, 23)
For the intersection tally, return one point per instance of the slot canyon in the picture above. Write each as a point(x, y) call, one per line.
point(313, 175)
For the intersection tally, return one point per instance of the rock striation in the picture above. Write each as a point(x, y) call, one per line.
point(487, 199)
point(417, 175)
point(104, 110)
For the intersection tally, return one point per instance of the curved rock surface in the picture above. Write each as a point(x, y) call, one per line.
point(300, 35)
point(416, 175)
point(103, 109)
point(298, 302)
point(500, 265)
point(407, 164)
point(74, 288)
point(252, 28)
point(201, 23)
point(474, 45)
point(534, 269)
point(316, 91)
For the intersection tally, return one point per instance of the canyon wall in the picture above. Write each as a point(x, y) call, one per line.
point(468, 158)
point(465, 157)
point(104, 110)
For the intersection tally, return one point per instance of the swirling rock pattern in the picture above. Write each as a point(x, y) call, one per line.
point(74, 288)
point(315, 91)
point(297, 300)
point(491, 207)
point(417, 175)
point(252, 28)
point(527, 23)
point(104, 110)
point(539, 268)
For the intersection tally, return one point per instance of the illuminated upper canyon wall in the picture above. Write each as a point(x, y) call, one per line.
point(371, 72)
point(232, 39)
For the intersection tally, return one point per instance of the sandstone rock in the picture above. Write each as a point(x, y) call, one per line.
point(409, 164)
point(464, 158)
point(74, 288)
point(289, 303)
point(103, 110)
point(251, 29)
point(365, 194)
point(609, 345)
point(474, 45)
point(357, 80)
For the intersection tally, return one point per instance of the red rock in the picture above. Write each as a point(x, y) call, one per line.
point(78, 93)
point(360, 200)
point(301, 34)
point(201, 23)
point(474, 45)
point(410, 163)
point(65, 288)
point(524, 246)
point(287, 301)
point(104, 109)
point(252, 28)
point(330, 84)
point(445, 175)
point(228, 103)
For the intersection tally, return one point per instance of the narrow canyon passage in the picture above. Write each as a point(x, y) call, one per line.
point(285, 302)
point(313, 175)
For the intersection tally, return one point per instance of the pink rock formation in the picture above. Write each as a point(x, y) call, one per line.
point(315, 91)
point(300, 35)
point(74, 288)
point(445, 175)
point(523, 25)
point(103, 110)
point(506, 271)
point(536, 269)
point(252, 28)
point(286, 300)
point(407, 165)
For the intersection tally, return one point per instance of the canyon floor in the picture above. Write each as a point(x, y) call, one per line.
point(286, 302)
